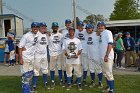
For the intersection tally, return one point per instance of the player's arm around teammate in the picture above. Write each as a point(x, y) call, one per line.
point(41, 61)
point(92, 48)
point(72, 49)
point(26, 52)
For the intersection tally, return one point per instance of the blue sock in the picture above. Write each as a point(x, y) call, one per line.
point(65, 75)
point(10, 62)
point(45, 77)
point(84, 75)
point(26, 88)
point(107, 82)
point(100, 77)
point(52, 75)
point(92, 76)
point(60, 74)
point(111, 85)
point(69, 80)
point(78, 80)
point(35, 78)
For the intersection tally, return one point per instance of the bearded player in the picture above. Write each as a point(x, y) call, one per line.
point(55, 50)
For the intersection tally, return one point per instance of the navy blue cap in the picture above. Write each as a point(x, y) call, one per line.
point(89, 26)
point(80, 23)
point(127, 33)
point(34, 24)
point(101, 23)
point(68, 21)
point(115, 35)
point(42, 24)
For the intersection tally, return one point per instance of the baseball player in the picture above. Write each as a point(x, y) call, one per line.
point(11, 37)
point(26, 52)
point(106, 54)
point(80, 33)
point(72, 49)
point(68, 24)
point(92, 48)
point(41, 61)
point(55, 50)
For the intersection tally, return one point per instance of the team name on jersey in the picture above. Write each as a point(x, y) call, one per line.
point(81, 36)
point(90, 42)
point(56, 39)
point(43, 41)
point(35, 41)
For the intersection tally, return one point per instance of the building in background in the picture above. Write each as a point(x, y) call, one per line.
point(11, 21)
point(132, 26)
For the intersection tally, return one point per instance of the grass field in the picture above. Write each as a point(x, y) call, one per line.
point(123, 84)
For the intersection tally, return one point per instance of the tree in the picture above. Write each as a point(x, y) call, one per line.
point(125, 10)
point(92, 19)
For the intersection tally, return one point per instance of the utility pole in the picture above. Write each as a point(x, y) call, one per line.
point(1, 7)
point(1, 20)
point(74, 12)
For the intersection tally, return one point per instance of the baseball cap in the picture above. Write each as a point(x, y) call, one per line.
point(115, 35)
point(68, 21)
point(127, 33)
point(89, 26)
point(80, 23)
point(72, 29)
point(55, 24)
point(101, 23)
point(42, 24)
point(34, 24)
point(120, 33)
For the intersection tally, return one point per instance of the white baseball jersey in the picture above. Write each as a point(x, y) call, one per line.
point(92, 46)
point(28, 41)
point(41, 45)
point(106, 38)
point(81, 35)
point(65, 33)
point(55, 44)
point(76, 45)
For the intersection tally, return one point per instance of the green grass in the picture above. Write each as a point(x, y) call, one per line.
point(123, 84)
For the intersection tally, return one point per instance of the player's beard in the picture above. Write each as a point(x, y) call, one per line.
point(54, 31)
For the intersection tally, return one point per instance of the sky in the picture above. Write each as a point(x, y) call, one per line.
point(56, 10)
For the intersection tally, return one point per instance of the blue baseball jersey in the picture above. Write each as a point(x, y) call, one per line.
point(10, 41)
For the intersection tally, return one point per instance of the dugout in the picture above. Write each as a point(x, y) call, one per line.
point(9, 21)
point(132, 26)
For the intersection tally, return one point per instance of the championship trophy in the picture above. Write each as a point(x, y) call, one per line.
point(72, 47)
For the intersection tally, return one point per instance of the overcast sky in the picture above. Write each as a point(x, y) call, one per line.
point(56, 10)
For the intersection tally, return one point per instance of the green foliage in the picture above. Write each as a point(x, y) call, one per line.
point(92, 19)
point(125, 10)
point(123, 84)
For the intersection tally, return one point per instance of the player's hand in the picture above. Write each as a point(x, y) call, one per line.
point(23, 49)
point(21, 61)
point(106, 58)
point(76, 56)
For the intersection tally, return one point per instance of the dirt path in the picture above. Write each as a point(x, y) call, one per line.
point(15, 71)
